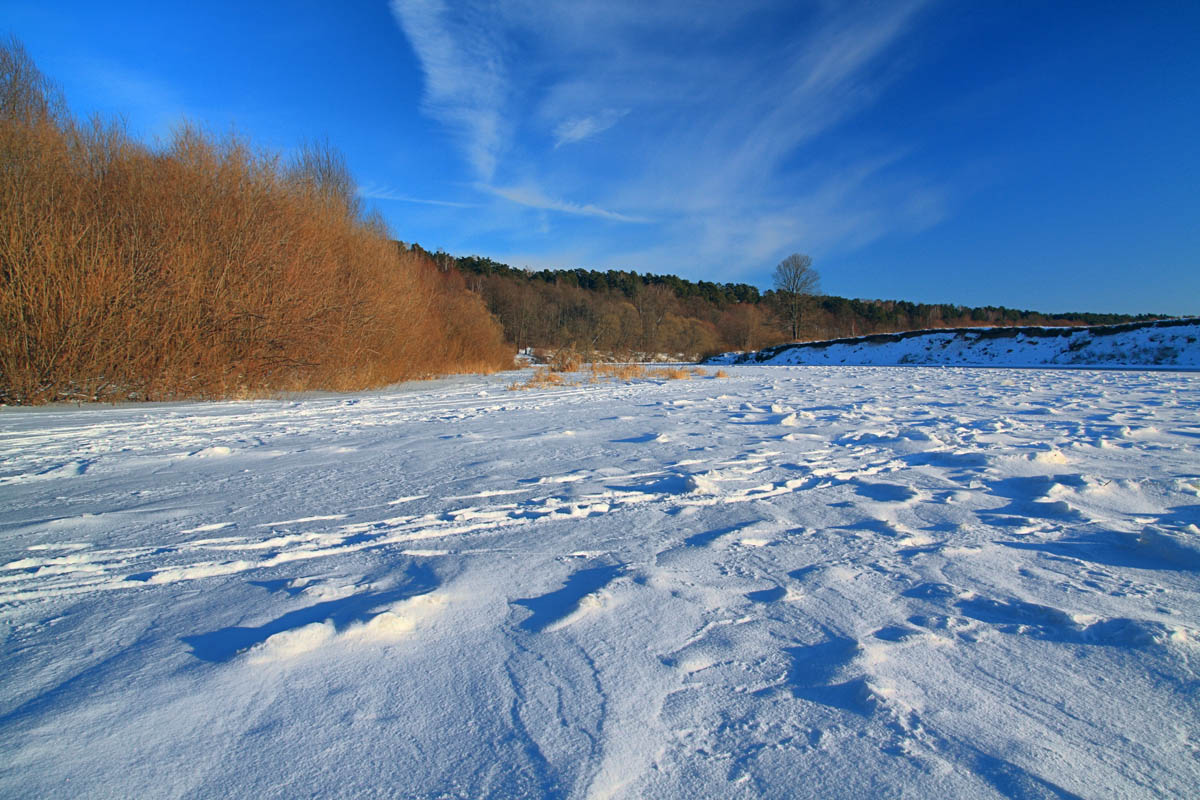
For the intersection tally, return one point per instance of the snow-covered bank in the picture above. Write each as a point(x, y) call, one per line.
point(787, 583)
point(1171, 344)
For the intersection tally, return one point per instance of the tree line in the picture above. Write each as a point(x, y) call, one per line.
point(206, 268)
point(631, 314)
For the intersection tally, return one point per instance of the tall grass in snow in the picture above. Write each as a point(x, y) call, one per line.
point(202, 268)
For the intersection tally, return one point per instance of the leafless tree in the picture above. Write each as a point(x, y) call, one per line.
point(796, 282)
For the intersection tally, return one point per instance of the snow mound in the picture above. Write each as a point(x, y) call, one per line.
point(391, 625)
point(289, 644)
point(1173, 344)
point(1180, 549)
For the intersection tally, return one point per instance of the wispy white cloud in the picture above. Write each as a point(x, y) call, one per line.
point(532, 197)
point(576, 129)
point(372, 191)
point(152, 106)
point(849, 209)
point(722, 149)
point(466, 82)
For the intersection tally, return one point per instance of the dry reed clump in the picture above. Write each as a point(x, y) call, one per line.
point(671, 374)
point(202, 268)
point(566, 359)
point(720, 374)
point(542, 378)
point(621, 372)
point(631, 372)
point(547, 377)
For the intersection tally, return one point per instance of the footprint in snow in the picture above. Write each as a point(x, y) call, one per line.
point(1020, 617)
point(774, 594)
point(823, 673)
point(553, 609)
point(886, 492)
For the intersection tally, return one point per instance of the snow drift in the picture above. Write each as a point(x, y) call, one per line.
point(828, 582)
point(1171, 344)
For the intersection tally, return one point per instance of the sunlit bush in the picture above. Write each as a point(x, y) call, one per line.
point(202, 268)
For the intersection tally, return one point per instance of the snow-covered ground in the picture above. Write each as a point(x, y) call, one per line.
point(809, 582)
point(1173, 344)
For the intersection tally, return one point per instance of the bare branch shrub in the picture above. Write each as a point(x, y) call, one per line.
point(566, 359)
point(204, 269)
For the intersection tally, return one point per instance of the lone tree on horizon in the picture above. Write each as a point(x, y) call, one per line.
point(796, 282)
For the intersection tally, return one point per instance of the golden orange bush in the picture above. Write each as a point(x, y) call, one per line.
point(203, 268)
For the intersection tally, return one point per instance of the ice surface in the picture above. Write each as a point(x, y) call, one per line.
point(791, 582)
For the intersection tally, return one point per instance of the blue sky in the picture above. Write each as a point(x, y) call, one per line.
point(1030, 154)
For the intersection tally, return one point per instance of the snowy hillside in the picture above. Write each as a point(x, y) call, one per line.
point(829, 583)
point(1172, 344)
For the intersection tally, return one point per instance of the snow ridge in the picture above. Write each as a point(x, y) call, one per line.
point(1173, 344)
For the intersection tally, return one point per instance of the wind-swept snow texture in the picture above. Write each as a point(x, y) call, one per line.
point(1173, 344)
point(851, 582)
